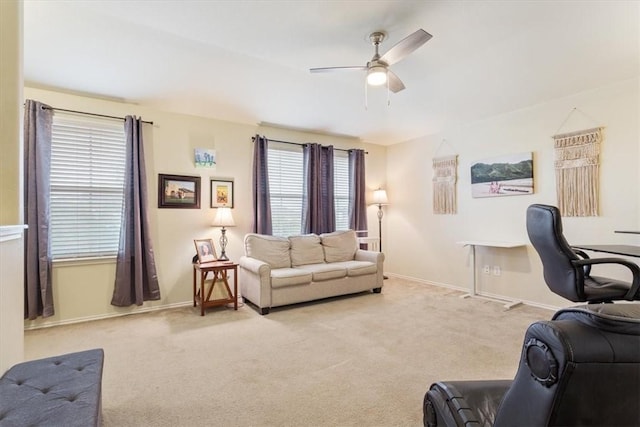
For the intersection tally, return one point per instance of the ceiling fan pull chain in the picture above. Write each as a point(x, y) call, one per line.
point(388, 97)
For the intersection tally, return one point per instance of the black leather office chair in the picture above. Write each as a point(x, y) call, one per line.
point(580, 369)
point(567, 271)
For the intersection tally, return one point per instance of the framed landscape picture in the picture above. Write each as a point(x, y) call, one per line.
point(178, 191)
point(221, 193)
point(509, 175)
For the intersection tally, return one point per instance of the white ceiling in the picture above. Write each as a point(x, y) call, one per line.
point(248, 61)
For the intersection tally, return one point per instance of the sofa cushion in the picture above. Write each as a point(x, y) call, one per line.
point(325, 271)
point(339, 245)
point(282, 277)
point(357, 268)
point(306, 249)
point(270, 249)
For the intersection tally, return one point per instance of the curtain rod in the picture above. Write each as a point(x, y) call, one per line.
point(91, 114)
point(253, 138)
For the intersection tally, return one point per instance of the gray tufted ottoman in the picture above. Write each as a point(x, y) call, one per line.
point(64, 390)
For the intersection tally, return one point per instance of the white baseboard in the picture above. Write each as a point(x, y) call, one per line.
point(189, 303)
point(501, 298)
point(108, 315)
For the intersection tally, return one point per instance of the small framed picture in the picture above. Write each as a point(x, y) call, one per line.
point(178, 191)
point(221, 193)
point(205, 158)
point(206, 251)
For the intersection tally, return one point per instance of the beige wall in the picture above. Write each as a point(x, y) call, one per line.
point(10, 111)
point(11, 258)
point(410, 222)
point(82, 290)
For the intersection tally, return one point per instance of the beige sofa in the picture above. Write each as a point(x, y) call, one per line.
point(277, 271)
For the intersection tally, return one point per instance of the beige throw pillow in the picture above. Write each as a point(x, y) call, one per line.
point(306, 249)
point(339, 245)
point(270, 249)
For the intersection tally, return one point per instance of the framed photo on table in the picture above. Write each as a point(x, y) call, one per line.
point(206, 250)
point(221, 193)
point(178, 191)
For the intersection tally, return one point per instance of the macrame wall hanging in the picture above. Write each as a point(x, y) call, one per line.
point(577, 167)
point(444, 184)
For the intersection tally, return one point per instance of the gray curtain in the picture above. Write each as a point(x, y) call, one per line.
point(357, 189)
point(318, 210)
point(38, 295)
point(136, 277)
point(261, 200)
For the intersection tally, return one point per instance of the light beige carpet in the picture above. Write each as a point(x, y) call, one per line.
point(364, 360)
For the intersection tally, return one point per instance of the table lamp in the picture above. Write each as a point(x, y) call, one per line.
point(223, 219)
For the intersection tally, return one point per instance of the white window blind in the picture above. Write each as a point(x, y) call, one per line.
point(87, 180)
point(286, 187)
point(341, 189)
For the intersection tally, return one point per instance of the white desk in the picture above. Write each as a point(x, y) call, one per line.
point(490, 244)
point(372, 243)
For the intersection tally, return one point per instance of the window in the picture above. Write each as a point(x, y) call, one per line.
point(286, 183)
point(341, 189)
point(285, 189)
point(87, 180)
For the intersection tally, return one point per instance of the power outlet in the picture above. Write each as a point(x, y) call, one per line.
point(496, 270)
point(486, 269)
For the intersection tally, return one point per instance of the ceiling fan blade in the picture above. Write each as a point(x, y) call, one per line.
point(405, 46)
point(328, 69)
point(395, 84)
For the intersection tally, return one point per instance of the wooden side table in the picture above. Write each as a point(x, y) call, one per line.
point(220, 270)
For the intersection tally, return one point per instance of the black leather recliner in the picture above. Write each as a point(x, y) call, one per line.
point(582, 368)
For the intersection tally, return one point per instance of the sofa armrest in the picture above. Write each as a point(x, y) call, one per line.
point(255, 265)
point(378, 259)
point(255, 281)
point(371, 256)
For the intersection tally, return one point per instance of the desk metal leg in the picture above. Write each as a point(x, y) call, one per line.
point(472, 254)
point(474, 285)
point(510, 305)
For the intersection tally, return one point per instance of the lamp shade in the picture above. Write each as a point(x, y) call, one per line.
point(377, 76)
point(223, 218)
point(380, 197)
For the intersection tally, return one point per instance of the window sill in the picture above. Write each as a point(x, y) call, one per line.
point(72, 262)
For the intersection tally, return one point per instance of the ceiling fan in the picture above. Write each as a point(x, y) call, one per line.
point(378, 72)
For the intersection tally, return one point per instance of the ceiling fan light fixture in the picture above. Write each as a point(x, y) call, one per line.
point(377, 76)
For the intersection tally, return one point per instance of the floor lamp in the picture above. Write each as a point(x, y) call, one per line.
point(380, 199)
